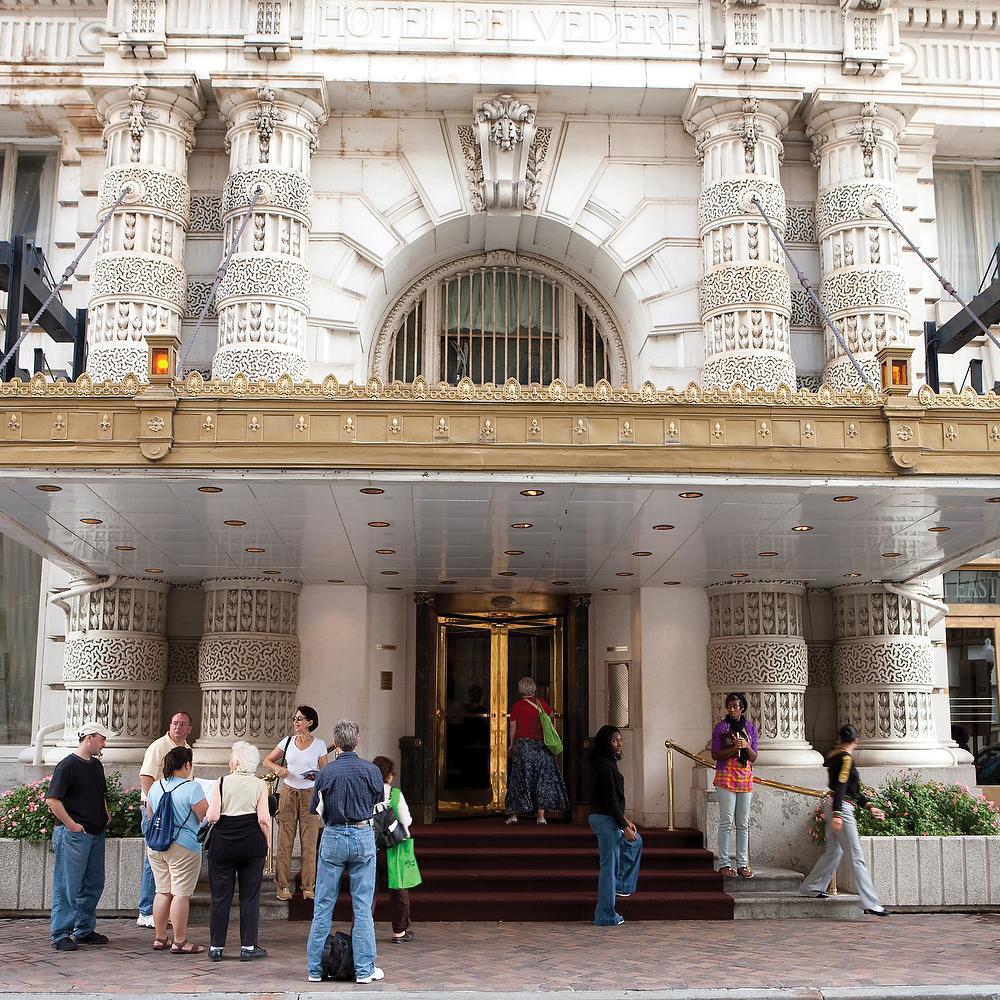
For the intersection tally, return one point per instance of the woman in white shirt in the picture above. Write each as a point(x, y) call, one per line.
point(296, 761)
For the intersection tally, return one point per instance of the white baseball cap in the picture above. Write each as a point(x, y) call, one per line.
point(90, 728)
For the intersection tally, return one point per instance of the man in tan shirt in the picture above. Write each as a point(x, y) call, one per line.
point(150, 772)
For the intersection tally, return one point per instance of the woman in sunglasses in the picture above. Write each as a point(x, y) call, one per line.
point(296, 761)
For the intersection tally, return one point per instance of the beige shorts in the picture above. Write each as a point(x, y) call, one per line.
point(175, 870)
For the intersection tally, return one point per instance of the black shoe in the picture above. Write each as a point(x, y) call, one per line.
point(65, 944)
point(215, 954)
point(878, 913)
point(821, 895)
point(92, 938)
point(249, 954)
point(400, 938)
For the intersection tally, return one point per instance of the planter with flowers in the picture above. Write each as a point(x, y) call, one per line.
point(26, 857)
point(938, 846)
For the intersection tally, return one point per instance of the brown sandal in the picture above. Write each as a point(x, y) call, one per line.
point(185, 947)
point(746, 872)
point(160, 944)
point(727, 872)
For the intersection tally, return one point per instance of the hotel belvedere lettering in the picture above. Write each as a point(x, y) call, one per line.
point(662, 31)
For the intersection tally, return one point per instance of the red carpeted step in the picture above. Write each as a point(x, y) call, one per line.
point(483, 870)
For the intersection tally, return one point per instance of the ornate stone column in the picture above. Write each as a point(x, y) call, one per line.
point(115, 664)
point(263, 301)
point(862, 287)
point(745, 296)
point(138, 283)
point(248, 664)
point(756, 646)
point(884, 675)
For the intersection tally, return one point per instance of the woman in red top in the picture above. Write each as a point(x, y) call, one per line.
point(534, 782)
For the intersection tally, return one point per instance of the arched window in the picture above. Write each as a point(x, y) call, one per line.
point(500, 317)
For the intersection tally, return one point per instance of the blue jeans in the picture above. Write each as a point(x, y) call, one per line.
point(734, 811)
point(619, 866)
point(147, 889)
point(351, 848)
point(77, 882)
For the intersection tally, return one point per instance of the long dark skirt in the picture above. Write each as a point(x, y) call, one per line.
point(534, 780)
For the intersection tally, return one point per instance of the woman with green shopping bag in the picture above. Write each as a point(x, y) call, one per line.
point(400, 861)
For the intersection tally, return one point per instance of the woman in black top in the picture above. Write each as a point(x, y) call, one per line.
point(617, 838)
point(839, 806)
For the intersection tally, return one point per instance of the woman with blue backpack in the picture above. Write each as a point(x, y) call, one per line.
point(176, 806)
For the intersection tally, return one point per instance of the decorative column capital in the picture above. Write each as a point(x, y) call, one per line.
point(716, 108)
point(176, 97)
point(291, 100)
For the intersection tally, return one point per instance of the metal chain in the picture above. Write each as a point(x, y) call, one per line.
point(219, 275)
point(807, 285)
point(945, 283)
point(67, 274)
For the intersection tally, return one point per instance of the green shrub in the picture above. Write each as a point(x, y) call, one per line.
point(25, 816)
point(915, 808)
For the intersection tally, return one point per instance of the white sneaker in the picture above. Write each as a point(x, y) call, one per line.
point(144, 920)
point(315, 979)
point(376, 975)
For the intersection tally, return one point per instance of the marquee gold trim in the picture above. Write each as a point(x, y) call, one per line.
point(285, 424)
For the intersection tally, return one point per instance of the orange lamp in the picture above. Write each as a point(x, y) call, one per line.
point(162, 351)
point(894, 369)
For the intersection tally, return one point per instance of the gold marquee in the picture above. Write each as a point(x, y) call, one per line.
point(195, 422)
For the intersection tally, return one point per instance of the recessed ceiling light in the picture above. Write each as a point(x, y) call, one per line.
point(939, 528)
point(385, 552)
point(624, 574)
point(739, 576)
point(671, 583)
point(234, 523)
point(663, 527)
point(522, 524)
point(393, 588)
point(767, 555)
point(91, 520)
point(506, 572)
point(891, 555)
point(846, 498)
point(125, 548)
point(152, 569)
point(334, 581)
point(513, 552)
point(209, 489)
point(988, 499)
point(271, 572)
point(609, 590)
point(803, 527)
point(371, 491)
point(447, 583)
point(46, 488)
point(378, 524)
point(643, 553)
point(532, 493)
point(690, 495)
point(851, 576)
point(254, 549)
point(560, 583)
point(389, 572)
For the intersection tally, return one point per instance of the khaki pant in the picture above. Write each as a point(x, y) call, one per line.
point(294, 809)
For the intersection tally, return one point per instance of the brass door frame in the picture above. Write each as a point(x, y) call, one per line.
point(498, 713)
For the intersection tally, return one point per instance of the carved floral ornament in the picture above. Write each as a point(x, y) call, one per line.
point(505, 117)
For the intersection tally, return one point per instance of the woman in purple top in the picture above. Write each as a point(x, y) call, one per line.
point(734, 749)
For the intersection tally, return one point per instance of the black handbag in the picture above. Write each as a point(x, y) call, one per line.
point(388, 830)
point(205, 830)
point(274, 798)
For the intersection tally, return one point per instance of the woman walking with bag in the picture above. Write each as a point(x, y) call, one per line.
point(734, 749)
point(400, 862)
point(534, 781)
point(296, 761)
point(236, 846)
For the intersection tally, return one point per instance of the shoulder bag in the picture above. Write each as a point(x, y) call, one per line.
point(553, 742)
point(388, 830)
point(274, 798)
point(401, 861)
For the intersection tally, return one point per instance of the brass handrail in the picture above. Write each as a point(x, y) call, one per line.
point(671, 746)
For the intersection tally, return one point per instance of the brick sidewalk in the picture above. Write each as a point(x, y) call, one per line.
point(904, 950)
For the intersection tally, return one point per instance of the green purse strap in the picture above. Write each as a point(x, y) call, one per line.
point(538, 707)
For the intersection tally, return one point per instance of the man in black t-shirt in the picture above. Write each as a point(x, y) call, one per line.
point(78, 798)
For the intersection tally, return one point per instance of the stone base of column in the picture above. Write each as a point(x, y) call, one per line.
point(801, 755)
point(751, 369)
point(840, 375)
point(112, 362)
point(259, 362)
point(870, 754)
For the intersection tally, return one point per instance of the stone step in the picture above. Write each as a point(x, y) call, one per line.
point(764, 880)
point(787, 905)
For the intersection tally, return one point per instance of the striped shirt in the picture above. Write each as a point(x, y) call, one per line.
point(729, 772)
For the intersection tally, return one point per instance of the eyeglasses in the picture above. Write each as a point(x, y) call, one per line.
point(300, 718)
